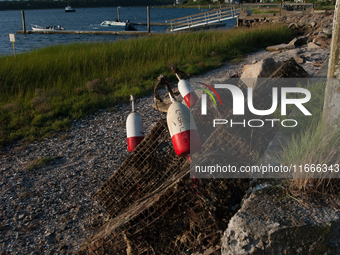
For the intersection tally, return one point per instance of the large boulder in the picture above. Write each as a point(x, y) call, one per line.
point(327, 31)
point(261, 69)
point(299, 41)
point(312, 45)
point(269, 222)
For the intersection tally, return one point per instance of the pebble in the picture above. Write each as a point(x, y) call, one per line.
point(46, 210)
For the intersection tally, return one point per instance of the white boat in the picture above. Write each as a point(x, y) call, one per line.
point(127, 25)
point(107, 23)
point(69, 9)
point(40, 28)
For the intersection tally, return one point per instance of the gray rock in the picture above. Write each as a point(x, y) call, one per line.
point(323, 35)
point(280, 47)
point(290, 53)
point(268, 224)
point(261, 69)
point(299, 41)
point(299, 60)
point(317, 41)
point(312, 45)
point(327, 31)
point(292, 25)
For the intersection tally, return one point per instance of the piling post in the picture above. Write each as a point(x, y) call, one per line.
point(148, 18)
point(23, 21)
point(331, 110)
point(118, 13)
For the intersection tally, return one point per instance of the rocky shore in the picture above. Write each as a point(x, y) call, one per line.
point(47, 186)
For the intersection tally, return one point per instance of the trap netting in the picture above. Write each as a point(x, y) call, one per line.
point(171, 220)
point(152, 163)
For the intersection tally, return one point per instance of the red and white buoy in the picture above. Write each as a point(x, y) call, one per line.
point(184, 135)
point(134, 127)
point(187, 92)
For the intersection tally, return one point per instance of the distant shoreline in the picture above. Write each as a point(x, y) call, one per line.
point(38, 5)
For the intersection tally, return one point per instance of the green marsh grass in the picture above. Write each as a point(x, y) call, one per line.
point(312, 144)
point(43, 90)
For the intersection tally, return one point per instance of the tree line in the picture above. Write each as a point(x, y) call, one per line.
point(51, 4)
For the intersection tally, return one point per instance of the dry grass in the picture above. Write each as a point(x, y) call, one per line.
point(109, 80)
point(55, 92)
point(14, 107)
point(41, 104)
point(314, 151)
point(40, 92)
point(317, 161)
point(79, 91)
point(95, 86)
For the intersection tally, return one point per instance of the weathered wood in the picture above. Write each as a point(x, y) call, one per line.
point(331, 112)
point(23, 21)
point(148, 18)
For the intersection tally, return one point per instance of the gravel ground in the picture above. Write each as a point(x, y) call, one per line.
point(45, 210)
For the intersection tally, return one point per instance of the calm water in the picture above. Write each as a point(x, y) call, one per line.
point(82, 19)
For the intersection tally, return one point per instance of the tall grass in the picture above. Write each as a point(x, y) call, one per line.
point(313, 146)
point(42, 90)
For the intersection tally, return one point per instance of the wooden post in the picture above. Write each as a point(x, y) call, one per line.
point(118, 13)
point(23, 21)
point(331, 109)
point(148, 18)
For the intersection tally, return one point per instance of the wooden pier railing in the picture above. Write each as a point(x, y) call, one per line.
point(202, 19)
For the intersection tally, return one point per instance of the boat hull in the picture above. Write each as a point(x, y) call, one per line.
point(108, 23)
point(51, 28)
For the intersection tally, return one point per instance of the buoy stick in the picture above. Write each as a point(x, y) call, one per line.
point(179, 78)
point(132, 100)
